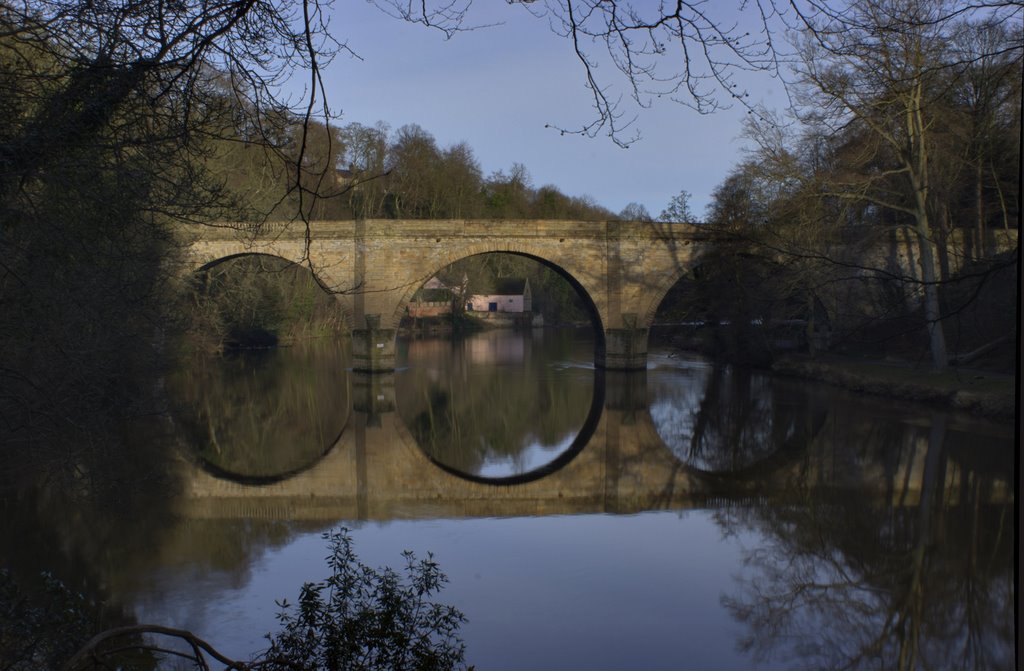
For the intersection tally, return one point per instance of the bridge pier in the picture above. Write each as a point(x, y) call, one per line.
point(624, 349)
point(626, 391)
point(373, 348)
point(373, 395)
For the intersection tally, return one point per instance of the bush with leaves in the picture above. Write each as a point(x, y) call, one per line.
point(358, 619)
point(362, 618)
point(39, 630)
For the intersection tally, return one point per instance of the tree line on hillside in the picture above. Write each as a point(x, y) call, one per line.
point(356, 171)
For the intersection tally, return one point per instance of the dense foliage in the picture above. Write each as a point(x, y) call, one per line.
point(40, 631)
point(359, 171)
point(885, 198)
point(256, 301)
point(361, 619)
point(357, 619)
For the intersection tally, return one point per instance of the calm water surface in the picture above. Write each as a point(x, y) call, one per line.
point(693, 516)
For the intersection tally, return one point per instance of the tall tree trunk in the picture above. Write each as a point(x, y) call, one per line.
point(1002, 198)
point(918, 164)
point(979, 197)
point(932, 309)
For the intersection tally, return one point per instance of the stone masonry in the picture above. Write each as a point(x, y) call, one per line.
point(623, 269)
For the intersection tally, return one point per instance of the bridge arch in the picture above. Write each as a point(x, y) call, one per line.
point(213, 263)
point(658, 294)
point(597, 319)
point(544, 252)
point(257, 480)
point(342, 299)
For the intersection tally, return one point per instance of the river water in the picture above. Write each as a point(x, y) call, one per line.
point(690, 516)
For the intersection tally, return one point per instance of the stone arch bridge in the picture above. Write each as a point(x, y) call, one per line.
point(623, 269)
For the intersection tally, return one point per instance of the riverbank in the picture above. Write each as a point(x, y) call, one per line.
point(469, 322)
point(982, 393)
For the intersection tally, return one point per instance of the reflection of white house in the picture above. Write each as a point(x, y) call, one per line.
point(510, 295)
point(496, 347)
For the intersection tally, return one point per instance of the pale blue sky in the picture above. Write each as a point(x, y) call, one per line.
point(497, 87)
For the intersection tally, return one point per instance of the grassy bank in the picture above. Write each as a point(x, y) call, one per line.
point(980, 393)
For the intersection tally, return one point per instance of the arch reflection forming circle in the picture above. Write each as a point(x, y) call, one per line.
point(503, 407)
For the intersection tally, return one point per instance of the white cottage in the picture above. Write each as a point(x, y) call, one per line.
point(510, 295)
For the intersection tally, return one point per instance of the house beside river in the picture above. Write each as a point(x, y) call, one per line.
point(509, 303)
point(509, 295)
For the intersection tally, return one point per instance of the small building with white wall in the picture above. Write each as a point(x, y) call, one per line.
point(509, 295)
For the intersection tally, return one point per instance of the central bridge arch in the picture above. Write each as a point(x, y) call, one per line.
point(496, 247)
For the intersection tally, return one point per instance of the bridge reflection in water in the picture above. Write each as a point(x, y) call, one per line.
point(831, 529)
point(618, 463)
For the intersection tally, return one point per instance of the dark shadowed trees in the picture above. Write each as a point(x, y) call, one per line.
point(873, 73)
point(414, 181)
point(111, 113)
point(882, 152)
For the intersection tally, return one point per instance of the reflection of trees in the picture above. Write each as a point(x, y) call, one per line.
point(843, 581)
point(219, 553)
point(121, 563)
point(103, 528)
point(466, 414)
point(263, 413)
point(76, 530)
point(740, 418)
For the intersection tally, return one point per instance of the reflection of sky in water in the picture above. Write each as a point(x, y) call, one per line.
point(561, 592)
point(603, 591)
point(533, 456)
point(675, 389)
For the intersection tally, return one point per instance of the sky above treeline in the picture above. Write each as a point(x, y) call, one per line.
point(501, 86)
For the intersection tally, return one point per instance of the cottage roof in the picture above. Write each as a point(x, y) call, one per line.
point(435, 283)
point(433, 295)
point(510, 286)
